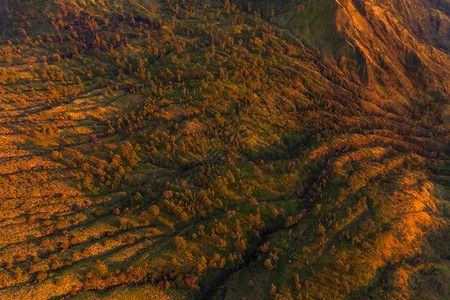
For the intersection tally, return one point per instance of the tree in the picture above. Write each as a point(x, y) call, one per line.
point(320, 229)
point(297, 282)
point(154, 210)
point(268, 264)
point(180, 243)
point(272, 290)
point(202, 264)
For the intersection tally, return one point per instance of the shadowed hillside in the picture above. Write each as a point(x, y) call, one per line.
point(199, 149)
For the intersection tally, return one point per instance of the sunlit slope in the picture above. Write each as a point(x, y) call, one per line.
point(386, 46)
point(177, 149)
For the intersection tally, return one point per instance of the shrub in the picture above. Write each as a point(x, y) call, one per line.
point(100, 269)
point(64, 245)
point(57, 155)
point(74, 240)
point(45, 243)
point(41, 277)
point(31, 219)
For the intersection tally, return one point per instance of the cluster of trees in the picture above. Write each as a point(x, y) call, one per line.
point(99, 174)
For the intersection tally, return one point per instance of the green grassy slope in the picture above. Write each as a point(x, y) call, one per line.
point(172, 149)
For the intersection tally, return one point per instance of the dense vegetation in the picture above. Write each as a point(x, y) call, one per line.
point(188, 148)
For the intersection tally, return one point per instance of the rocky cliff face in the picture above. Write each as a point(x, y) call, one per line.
point(401, 45)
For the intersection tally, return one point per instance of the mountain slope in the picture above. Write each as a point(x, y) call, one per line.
point(177, 149)
point(400, 45)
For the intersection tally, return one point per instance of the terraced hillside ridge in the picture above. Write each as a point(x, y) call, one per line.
point(199, 149)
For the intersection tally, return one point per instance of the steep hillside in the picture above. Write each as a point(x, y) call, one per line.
point(206, 149)
point(395, 48)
